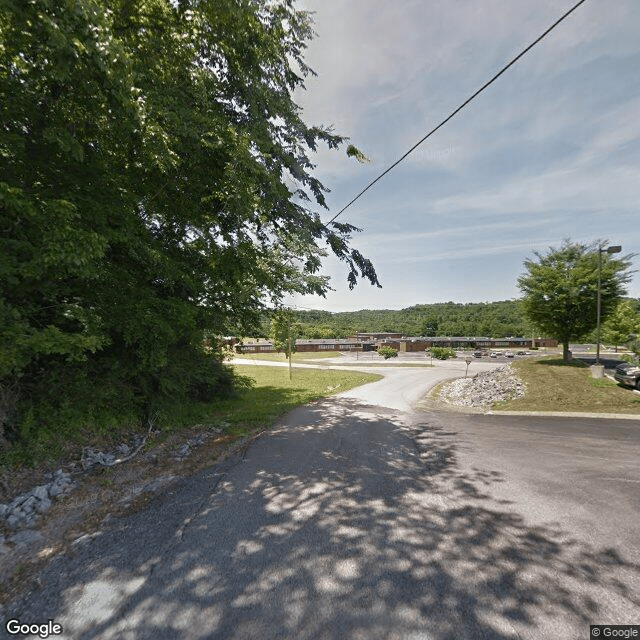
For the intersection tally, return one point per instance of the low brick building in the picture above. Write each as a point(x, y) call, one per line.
point(330, 344)
point(458, 342)
point(371, 341)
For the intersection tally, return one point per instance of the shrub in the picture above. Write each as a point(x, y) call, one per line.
point(442, 353)
point(388, 352)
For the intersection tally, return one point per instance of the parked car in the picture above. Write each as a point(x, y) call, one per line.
point(508, 354)
point(522, 353)
point(494, 354)
point(478, 354)
point(628, 374)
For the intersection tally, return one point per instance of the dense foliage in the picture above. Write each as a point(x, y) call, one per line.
point(155, 189)
point(387, 352)
point(490, 319)
point(284, 331)
point(623, 325)
point(561, 287)
point(442, 353)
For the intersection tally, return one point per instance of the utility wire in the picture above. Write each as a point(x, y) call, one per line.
point(464, 104)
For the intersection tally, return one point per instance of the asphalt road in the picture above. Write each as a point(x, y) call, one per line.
point(359, 518)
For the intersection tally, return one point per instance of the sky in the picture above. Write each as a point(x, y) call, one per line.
point(550, 151)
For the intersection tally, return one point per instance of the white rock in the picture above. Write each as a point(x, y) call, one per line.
point(41, 492)
point(484, 389)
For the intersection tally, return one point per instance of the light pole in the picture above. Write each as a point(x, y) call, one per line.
point(614, 249)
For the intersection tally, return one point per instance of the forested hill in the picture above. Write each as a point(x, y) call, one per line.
point(491, 319)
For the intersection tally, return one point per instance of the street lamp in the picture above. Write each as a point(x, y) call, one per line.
point(614, 249)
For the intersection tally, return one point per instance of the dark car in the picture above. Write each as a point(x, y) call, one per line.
point(628, 374)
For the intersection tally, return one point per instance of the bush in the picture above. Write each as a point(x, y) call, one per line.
point(388, 352)
point(64, 402)
point(442, 353)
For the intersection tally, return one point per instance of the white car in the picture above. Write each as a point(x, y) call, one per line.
point(508, 354)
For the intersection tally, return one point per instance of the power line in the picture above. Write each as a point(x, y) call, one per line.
point(464, 104)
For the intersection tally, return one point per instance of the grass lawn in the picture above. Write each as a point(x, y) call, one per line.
point(302, 356)
point(366, 363)
point(554, 386)
point(273, 394)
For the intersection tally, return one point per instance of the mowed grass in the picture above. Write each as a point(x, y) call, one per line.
point(366, 363)
point(272, 394)
point(555, 386)
point(302, 356)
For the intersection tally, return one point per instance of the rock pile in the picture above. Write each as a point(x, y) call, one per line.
point(196, 441)
point(91, 458)
point(484, 388)
point(23, 510)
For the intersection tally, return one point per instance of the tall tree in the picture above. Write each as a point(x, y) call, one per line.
point(623, 323)
point(146, 151)
point(284, 333)
point(560, 289)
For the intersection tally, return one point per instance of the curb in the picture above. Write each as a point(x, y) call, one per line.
point(567, 414)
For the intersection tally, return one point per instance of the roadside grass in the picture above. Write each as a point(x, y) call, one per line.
point(365, 363)
point(270, 395)
point(312, 357)
point(298, 356)
point(555, 386)
point(273, 394)
point(252, 408)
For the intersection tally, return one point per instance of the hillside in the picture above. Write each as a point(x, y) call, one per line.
point(491, 319)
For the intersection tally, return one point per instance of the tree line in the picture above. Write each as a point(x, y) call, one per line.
point(490, 319)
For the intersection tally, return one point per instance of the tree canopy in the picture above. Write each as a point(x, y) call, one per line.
point(622, 324)
point(560, 289)
point(156, 187)
point(491, 319)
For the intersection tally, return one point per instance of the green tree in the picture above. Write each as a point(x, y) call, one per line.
point(623, 323)
point(284, 333)
point(560, 289)
point(156, 189)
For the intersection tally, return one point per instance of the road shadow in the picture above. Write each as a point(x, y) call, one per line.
point(345, 522)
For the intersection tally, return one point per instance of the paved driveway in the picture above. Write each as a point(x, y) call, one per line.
point(360, 518)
